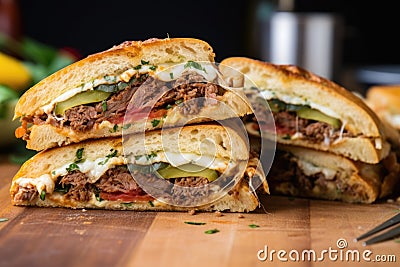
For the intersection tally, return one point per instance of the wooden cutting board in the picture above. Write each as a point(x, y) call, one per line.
point(63, 237)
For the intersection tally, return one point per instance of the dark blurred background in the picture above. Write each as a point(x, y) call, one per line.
point(368, 32)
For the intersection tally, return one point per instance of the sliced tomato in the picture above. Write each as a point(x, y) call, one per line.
point(157, 114)
point(132, 196)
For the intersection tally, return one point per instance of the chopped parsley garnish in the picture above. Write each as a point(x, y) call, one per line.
point(111, 155)
point(115, 128)
point(104, 105)
point(211, 231)
point(151, 203)
point(151, 155)
point(144, 62)
point(43, 195)
point(3, 219)
point(129, 204)
point(196, 223)
point(138, 67)
point(179, 101)
point(171, 75)
point(79, 154)
point(53, 173)
point(193, 64)
point(155, 122)
point(153, 67)
point(98, 198)
point(253, 226)
point(72, 167)
point(168, 106)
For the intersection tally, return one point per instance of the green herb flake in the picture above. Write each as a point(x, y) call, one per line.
point(151, 203)
point(138, 67)
point(151, 155)
point(169, 106)
point(179, 101)
point(211, 231)
point(115, 128)
point(79, 154)
point(3, 219)
point(128, 204)
point(72, 167)
point(138, 157)
point(153, 67)
point(171, 75)
point(193, 64)
point(155, 122)
point(196, 223)
point(104, 105)
point(144, 62)
point(43, 195)
point(253, 226)
point(98, 198)
point(111, 155)
point(53, 173)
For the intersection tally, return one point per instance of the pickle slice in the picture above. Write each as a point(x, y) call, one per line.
point(313, 114)
point(91, 96)
point(188, 170)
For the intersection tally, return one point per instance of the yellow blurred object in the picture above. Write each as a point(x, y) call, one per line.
point(13, 73)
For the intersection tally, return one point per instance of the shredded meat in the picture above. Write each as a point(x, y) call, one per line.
point(117, 179)
point(80, 189)
point(27, 193)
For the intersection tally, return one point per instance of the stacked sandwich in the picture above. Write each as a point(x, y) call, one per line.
point(134, 127)
point(331, 145)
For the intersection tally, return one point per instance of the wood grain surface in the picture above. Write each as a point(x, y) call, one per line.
point(64, 237)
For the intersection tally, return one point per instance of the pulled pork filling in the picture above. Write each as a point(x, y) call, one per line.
point(143, 94)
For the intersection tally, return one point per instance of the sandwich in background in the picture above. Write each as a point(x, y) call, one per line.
point(331, 145)
point(110, 173)
point(385, 101)
point(313, 112)
point(132, 87)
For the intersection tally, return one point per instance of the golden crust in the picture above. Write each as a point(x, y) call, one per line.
point(295, 80)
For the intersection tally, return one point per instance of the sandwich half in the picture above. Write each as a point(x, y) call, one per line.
point(207, 169)
point(385, 101)
point(311, 111)
point(135, 86)
point(304, 172)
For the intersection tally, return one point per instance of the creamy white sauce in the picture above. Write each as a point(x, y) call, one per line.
point(177, 159)
point(310, 169)
point(41, 183)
